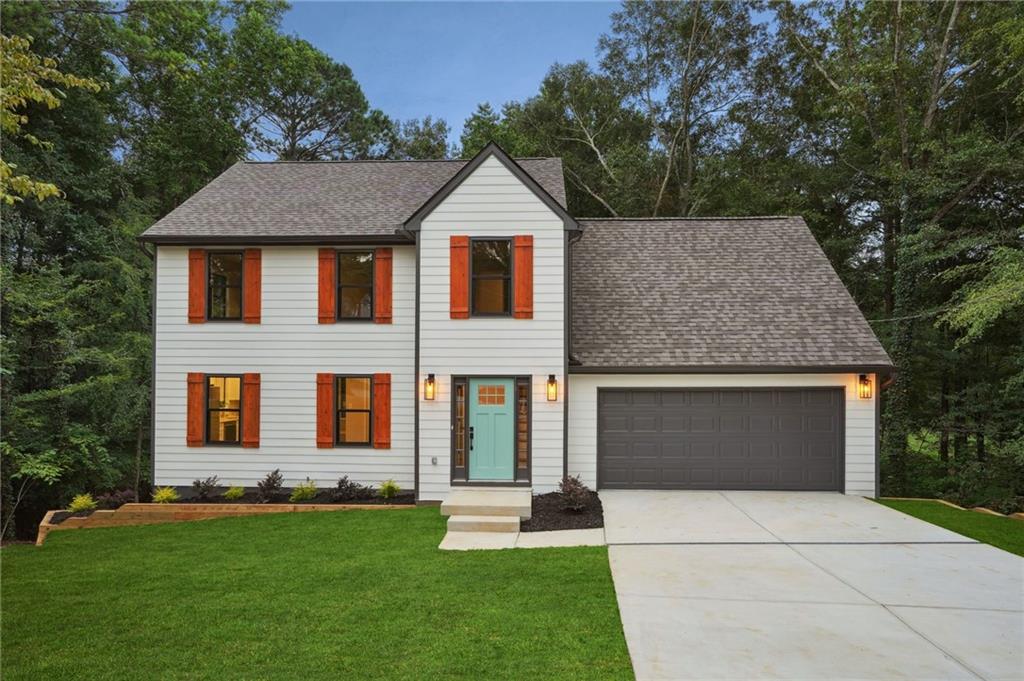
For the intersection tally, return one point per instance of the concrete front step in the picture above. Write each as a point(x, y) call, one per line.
point(489, 501)
point(483, 523)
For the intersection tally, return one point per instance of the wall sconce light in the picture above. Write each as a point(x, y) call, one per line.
point(429, 387)
point(552, 388)
point(864, 387)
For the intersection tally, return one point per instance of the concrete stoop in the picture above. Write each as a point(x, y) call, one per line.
point(487, 509)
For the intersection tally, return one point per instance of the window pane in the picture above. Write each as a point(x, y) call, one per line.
point(223, 426)
point(226, 269)
point(355, 268)
point(225, 285)
point(522, 425)
point(492, 257)
point(460, 425)
point(354, 427)
point(491, 296)
point(225, 303)
point(355, 303)
point(353, 393)
point(224, 392)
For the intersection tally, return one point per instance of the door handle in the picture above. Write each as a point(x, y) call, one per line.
point(471, 438)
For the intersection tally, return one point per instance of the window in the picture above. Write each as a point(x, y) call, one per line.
point(224, 285)
point(491, 276)
point(355, 285)
point(224, 409)
point(352, 402)
point(522, 429)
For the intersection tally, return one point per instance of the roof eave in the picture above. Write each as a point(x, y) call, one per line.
point(396, 239)
point(866, 368)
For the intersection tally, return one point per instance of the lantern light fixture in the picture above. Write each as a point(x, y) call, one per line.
point(552, 388)
point(864, 387)
point(429, 387)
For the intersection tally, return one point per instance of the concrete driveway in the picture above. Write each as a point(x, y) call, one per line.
point(797, 585)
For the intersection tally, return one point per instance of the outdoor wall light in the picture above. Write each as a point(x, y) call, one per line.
point(864, 387)
point(552, 388)
point(429, 387)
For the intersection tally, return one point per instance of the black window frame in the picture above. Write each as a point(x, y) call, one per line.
point(207, 410)
point(209, 287)
point(338, 409)
point(338, 286)
point(510, 278)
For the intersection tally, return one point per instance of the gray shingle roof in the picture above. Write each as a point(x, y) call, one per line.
point(320, 199)
point(716, 292)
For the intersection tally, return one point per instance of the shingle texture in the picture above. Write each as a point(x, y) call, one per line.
point(712, 293)
point(329, 199)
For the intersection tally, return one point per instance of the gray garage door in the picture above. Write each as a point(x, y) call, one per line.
point(789, 439)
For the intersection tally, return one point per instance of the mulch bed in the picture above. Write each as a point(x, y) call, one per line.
point(60, 516)
point(322, 498)
point(549, 513)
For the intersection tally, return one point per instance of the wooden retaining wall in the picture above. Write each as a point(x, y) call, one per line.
point(151, 514)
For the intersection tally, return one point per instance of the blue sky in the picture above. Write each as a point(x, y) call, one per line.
point(415, 59)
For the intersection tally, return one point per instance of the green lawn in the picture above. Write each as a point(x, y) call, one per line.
point(340, 595)
point(1006, 533)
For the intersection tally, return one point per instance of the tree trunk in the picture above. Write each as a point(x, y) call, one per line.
point(943, 419)
point(979, 442)
point(138, 459)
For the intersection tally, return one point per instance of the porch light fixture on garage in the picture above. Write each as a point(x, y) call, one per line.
point(429, 387)
point(552, 388)
point(864, 387)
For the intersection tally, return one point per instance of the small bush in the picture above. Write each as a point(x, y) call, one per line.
point(203, 490)
point(269, 488)
point(234, 493)
point(389, 489)
point(165, 495)
point(304, 491)
point(113, 500)
point(351, 491)
point(82, 502)
point(574, 493)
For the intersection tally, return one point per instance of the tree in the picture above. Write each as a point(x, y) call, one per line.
point(419, 139)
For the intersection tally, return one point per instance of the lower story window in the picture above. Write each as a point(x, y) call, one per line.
point(354, 413)
point(224, 409)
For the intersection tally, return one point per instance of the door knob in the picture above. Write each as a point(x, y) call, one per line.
point(471, 438)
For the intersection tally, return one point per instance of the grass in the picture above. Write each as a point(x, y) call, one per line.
point(1004, 533)
point(357, 594)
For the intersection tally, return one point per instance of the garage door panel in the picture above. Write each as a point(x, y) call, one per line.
point(720, 439)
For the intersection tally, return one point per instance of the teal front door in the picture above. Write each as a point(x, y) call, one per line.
point(491, 429)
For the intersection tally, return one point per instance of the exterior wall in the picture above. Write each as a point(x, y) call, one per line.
point(859, 424)
point(288, 348)
point(491, 202)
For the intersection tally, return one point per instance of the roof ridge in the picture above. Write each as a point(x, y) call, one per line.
point(390, 160)
point(678, 219)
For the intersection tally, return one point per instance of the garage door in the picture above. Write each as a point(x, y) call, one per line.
point(788, 439)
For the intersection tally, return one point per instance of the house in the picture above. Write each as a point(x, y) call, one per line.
point(449, 323)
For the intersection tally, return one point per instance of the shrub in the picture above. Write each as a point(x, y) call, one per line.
point(351, 491)
point(234, 493)
point(82, 502)
point(112, 500)
point(304, 491)
point(389, 489)
point(165, 495)
point(574, 493)
point(269, 488)
point(203, 490)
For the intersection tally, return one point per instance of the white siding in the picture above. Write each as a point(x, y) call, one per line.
point(491, 202)
point(859, 418)
point(288, 348)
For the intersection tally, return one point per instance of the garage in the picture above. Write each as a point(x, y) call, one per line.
point(709, 438)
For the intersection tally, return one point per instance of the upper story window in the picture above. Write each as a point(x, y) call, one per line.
point(354, 411)
point(491, 276)
point(224, 285)
point(355, 285)
point(224, 409)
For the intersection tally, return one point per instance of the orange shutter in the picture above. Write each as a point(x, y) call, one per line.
point(196, 286)
point(459, 277)
point(325, 411)
point(328, 285)
point(194, 410)
point(252, 275)
point(382, 266)
point(382, 411)
point(250, 410)
point(522, 292)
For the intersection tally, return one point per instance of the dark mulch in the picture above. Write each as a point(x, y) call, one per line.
point(60, 516)
point(321, 498)
point(549, 513)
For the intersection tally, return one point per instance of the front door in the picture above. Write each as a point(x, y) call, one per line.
point(491, 429)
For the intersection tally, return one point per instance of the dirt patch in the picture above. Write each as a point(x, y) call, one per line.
point(549, 513)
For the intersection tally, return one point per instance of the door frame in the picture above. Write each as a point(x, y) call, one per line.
point(459, 477)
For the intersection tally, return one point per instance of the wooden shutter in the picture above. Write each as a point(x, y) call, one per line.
point(328, 286)
point(196, 286)
point(252, 276)
point(522, 269)
point(382, 411)
point(325, 411)
point(459, 267)
point(382, 268)
point(250, 410)
point(195, 418)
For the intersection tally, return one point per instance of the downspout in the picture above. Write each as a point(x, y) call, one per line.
point(571, 237)
point(414, 237)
